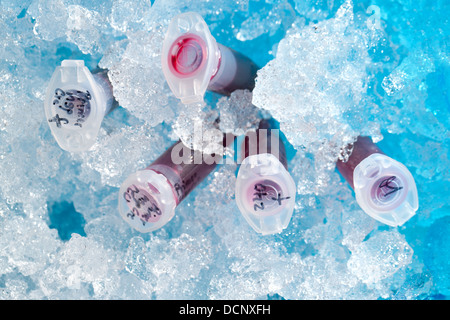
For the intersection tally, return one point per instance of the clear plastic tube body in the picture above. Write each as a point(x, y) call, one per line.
point(384, 188)
point(148, 198)
point(102, 79)
point(193, 62)
point(235, 71)
point(185, 176)
point(265, 191)
point(266, 139)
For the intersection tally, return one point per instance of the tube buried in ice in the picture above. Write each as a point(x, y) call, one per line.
point(148, 198)
point(193, 62)
point(265, 191)
point(76, 103)
point(384, 188)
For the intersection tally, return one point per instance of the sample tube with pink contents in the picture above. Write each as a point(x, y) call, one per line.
point(148, 198)
point(193, 62)
point(75, 104)
point(384, 188)
point(265, 191)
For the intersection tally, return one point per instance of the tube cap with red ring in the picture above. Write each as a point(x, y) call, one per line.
point(190, 57)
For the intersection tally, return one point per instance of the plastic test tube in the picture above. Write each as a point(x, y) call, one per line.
point(76, 103)
point(193, 62)
point(148, 198)
point(384, 188)
point(265, 191)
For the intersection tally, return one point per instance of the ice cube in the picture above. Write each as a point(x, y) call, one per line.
point(196, 126)
point(317, 82)
point(268, 20)
point(125, 18)
point(30, 249)
point(380, 256)
point(50, 18)
point(237, 113)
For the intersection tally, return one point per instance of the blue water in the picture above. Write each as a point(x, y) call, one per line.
point(414, 122)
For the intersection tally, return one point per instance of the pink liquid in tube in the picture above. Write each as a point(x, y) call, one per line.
point(193, 62)
point(265, 191)
point(235, 71)
point(384, 188)
point(148, 198)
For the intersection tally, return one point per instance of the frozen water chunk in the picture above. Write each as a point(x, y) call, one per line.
point(237, 113)
point(356, 225)
point(113, 54)
point(85, 28)
point(334, 281)
point(57, 19)
point(51, 18)
point(123, 151)
point(316, 9)
point(109, 229)
point(178, 264)
point(173, 266)
point(136, 260)
point(316, 86)
point(379, 257)
point(128, 17)
point(253, 267)
point(418, 86)
point(196, 126)
point(411, 71)
point(26, 178)
point(48, 155)
point(80, 264)
point(29, 250)
point(417, 286)
point(17, 8)
point(18, 287)
point(430, 158)
point(17, 34)
point(437, 255)
point(313, 172)
point(266, 20)
point(210, 203)
point(138, 81)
